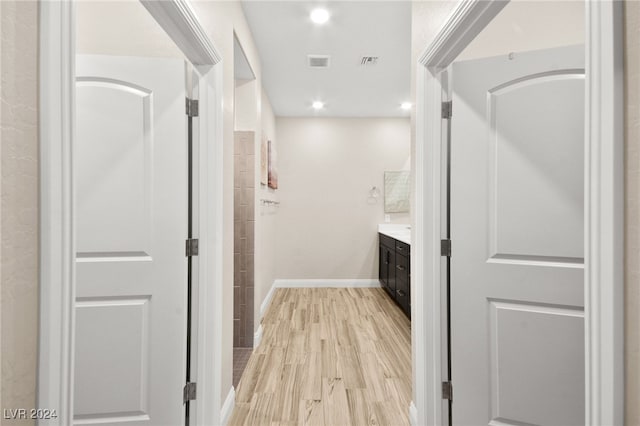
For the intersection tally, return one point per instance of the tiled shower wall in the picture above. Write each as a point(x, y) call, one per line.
point(244, 229)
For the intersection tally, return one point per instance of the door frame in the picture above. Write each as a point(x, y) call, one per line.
point(57, 210)
point(604, 217)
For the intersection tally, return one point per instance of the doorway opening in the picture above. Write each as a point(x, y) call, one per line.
point(516, 167)
point(335, 171)
point(105, 300)
point(602, 145)
point(134, 179)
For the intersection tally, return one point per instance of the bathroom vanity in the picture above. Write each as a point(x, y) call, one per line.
point(395, 263)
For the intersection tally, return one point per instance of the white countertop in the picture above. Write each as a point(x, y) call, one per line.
point(400, 232)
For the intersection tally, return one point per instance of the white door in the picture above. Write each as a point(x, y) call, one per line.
point(517, 239)
point(131, 189)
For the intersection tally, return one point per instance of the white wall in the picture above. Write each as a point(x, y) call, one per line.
point(253, 112)
point(246, 105)
point(266, 216)
point(135, 34)
point(222, 20)
point(529, 25)
point(326, 227)
point(247, 112)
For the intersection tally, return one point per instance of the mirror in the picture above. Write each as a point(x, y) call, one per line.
point(396, 191)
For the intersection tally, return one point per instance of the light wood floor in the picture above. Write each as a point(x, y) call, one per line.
point(328, 356)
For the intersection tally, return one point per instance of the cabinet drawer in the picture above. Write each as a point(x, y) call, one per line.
point(403, 297)
point(402, 248)
point(402, 268)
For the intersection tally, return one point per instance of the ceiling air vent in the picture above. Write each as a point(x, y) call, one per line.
point(318, 61)
point(369, 60)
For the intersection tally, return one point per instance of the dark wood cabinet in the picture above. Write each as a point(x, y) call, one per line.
point(395, 272)
point(387, 263)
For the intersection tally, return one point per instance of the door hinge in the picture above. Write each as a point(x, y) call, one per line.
point(447, 391)
point(192, 107)
point(189, 392)
point(445, 248)
point(192, 247)
point(447, 109)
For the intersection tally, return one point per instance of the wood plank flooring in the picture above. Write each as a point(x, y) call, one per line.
point(328, 356)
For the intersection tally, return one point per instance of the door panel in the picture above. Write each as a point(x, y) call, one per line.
point(517, 320)
point(517, 332)
point(115, 168)
point(102, 325)
point(529, 188)
point(131, 180)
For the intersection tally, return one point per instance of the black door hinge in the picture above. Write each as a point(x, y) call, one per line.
point(189, 392)
point(192, 107)
point(447, 391)
point(447, 109)
point(445, 248)
point(191, 248)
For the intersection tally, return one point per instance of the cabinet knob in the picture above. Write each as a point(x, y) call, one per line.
point(400, 267)
point(401, 293)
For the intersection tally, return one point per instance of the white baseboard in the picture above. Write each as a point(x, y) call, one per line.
point(257, 337)
point(328, 283)
point(306, 283)
point(267, 300)
point(413, 414)
point(227, 407)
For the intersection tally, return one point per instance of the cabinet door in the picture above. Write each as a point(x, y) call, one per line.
point(391, 287)
point(402, 296)
point(387, 267)
point(402, 283)
point(383, 273)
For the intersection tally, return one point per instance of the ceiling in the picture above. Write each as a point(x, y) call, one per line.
point(285, 35)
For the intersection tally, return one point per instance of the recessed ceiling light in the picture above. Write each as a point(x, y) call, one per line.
point(318, 105)
point(319, 16)
point(406, 106)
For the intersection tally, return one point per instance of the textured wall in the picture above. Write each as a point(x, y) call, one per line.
point(632, 211)
point(19, 202)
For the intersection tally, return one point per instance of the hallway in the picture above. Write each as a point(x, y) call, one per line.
point(85, 345)
point(329, 356)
